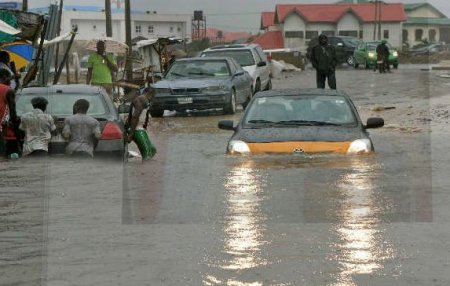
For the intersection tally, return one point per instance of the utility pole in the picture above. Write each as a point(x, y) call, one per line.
point(379, 19)
point(25, 5)
point(108, 18)
point(375, 17)
point(129, 66)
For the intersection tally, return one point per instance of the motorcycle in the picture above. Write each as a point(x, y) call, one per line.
point(381, 64)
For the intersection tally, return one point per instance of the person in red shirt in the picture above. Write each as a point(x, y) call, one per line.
point(7, 108)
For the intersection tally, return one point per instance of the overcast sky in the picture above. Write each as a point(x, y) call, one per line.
point(228, 15)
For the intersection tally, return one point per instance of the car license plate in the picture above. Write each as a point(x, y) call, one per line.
point(185, 100)
point(57, 138)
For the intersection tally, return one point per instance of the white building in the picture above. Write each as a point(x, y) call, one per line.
point(148, 24)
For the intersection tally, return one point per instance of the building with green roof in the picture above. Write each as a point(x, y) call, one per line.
point(425, 23)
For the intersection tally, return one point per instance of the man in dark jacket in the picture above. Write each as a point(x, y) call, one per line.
point(324, 60)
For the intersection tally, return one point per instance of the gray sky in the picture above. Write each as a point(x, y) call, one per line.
point(228, 15)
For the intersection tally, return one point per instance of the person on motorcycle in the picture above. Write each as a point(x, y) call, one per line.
point(383, 55)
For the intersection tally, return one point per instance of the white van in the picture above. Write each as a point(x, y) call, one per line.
point(252, 59)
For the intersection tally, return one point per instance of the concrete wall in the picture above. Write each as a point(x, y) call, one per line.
point(395, 33)
point(425, 28)
point(348, 22)
point(294, 22)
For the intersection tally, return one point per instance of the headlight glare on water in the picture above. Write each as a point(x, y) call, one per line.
point(360, 146)
point(238, 147)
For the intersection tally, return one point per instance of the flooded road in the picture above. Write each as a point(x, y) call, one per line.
point(195, 216)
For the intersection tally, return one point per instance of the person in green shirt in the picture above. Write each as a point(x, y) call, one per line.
point(101, 68)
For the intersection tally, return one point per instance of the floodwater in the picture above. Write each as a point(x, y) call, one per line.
point(195, 216)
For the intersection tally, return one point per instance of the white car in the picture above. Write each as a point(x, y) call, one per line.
point(252, 59)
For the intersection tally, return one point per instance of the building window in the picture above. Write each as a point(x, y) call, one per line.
point(138, 29)
point(179, 29)
point(328, 33)
point(385, 34)
point(94, 28)
point(311, 34)
point(405, 35)
point(348, 33)
point(150, 29)
point(432, 35)
point(361, 34)
point(418, 34)
point(293, 34)
point(171, 29)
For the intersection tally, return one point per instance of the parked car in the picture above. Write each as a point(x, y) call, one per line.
point(60, 105)
point(430, 49)
point(366, 55)
point(252, 59)
point(202, 83)
point(344, 46)
point(301, 121)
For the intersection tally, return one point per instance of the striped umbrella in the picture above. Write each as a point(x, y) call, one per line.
point(20, 52)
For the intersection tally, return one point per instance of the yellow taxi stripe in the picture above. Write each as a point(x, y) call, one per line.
point(299, 147)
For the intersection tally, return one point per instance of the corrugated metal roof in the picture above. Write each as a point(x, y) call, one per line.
point(270, 40)
point(331, 13)
point(267, 19)
point(428, 21)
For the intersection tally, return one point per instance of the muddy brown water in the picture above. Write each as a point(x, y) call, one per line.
point(195, 216)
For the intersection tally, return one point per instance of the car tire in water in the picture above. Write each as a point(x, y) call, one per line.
point(257, 85)
point(230, 106)
point(395, 66)
point(350, 60)
point(244, 105)
point(269, 85)
point(156, 111)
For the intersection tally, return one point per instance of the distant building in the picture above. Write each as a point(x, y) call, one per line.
point(217, 36)
point(425, 22)
point(13, 5)
point(297, 24)
point(144, 24)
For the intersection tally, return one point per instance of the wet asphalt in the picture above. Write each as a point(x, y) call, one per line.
point(195, 216)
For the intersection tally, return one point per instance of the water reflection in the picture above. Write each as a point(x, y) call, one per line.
point(244, 225)
point(245, 222)
point(361, 247)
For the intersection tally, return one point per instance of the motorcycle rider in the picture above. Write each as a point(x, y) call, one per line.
point(383, 54)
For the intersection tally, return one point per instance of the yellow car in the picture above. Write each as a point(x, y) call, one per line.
point(301, 121)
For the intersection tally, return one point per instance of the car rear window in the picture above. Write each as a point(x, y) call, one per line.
point(199, 68)
point(62, 104)
point(242, 57)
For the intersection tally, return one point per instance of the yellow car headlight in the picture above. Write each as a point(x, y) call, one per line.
point(395, 54)
point(360, 146)
point(371, 54)
point(238, 147)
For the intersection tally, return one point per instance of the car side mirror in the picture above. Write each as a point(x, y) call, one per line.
point(124, 108)
point(226, 125)
point(262, 64)
point(239, 73)
point(374, 122)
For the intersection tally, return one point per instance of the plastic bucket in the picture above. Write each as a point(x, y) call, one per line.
point(146, 148)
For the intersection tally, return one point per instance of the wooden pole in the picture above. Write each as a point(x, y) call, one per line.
point(61, 66)
point(129, 66)
point(25, 5)
point(108, 18)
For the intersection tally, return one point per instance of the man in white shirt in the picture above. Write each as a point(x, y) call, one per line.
point(38, 127)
